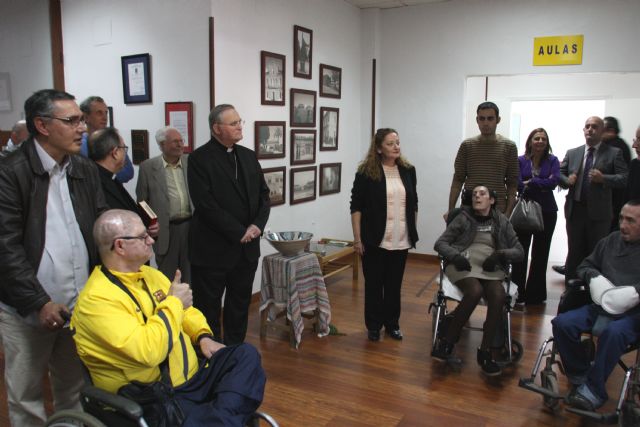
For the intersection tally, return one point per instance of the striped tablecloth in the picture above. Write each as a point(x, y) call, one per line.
point(295, 283)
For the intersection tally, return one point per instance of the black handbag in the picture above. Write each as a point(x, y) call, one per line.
point(157, 399)
point(527, 216)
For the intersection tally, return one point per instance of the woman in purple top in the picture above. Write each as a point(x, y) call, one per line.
point(539, 173)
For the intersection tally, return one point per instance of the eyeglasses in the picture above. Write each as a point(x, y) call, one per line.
point(124, 147)
point(73, 121)
point(142, 237)
point(234, 124)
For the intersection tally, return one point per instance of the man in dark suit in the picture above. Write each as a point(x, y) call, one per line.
point(162, 183)
point(589, 172)
point(231, 200)
point(108, 150)
point(611, 136)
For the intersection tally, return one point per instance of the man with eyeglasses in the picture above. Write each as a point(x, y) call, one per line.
point(49, 200)
point(108, 150)
point(96, 116)
point(162, 183)
point(231, 200)
point(487, 159)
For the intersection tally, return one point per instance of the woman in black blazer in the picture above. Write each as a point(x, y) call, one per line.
point(384, 204)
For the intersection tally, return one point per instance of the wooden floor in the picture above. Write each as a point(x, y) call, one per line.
point(350, 381)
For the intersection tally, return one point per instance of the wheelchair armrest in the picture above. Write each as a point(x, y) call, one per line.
point(576, 284)
point(93, 398)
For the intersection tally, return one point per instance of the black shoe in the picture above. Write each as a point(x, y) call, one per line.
point(488, 365)
point(442, 351)
point(373, 335)
point(560, 269)
point(396, 334)
point(578, 401)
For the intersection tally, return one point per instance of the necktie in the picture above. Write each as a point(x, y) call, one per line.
point(584, 193)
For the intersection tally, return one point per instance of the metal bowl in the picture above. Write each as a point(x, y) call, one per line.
point(289, 243)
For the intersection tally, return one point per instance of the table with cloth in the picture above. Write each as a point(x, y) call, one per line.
point(295, 284)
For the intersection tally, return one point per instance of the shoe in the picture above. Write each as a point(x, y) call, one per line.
point(488, 365)
point(578, 401)
point(396, 334)
point(560, 269)
point(373, 335)
point(442, 351)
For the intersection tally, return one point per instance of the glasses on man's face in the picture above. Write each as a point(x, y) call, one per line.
point(142, 237)
point(73, 121)
point(123, 147)
point(234, 124)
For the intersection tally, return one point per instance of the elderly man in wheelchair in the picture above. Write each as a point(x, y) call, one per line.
point(477, 244)
point(136, 332)
point(612, 275)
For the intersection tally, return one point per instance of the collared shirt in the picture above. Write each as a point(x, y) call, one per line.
point(64, 267)
point(179, 207)
point(578, 190)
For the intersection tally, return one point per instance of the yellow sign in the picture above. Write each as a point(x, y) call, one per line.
point(558, 50)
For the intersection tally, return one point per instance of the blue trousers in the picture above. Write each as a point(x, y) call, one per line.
point(226, 391)
point(612, 343)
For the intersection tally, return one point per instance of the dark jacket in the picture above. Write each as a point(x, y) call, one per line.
point(115, 194)
point(461, 232)
point(224, 207)
point(369, 197)
point(540, 188)
point(24, 187)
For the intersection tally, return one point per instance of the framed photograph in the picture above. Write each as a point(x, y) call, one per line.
point(269, 140)
point(136, 78)
point(139, 145)
point(303, 147)
point(276, 181)
point(110, 110)
point(330, 81)
point(330, 174)
point(302, 52)
point(303, 108)
point(329, 128)
point(179, 115)
point(302, 185)
point(272, 78)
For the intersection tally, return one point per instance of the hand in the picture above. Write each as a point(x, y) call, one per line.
point(358, 247)
point(491, 263)
point(154, 230)
point(445, 216)
point(51, 315)
point(571, 180)
point(208, 347)
point(461, 263)
point(182, 291)
point(252, 232)
point(596, 176)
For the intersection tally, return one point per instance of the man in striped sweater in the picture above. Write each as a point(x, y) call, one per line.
point(487, 159)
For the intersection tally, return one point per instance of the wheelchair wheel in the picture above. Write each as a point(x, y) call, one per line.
point(516, 351)
point(549, 381)
point(629, 414)
point(73, 418)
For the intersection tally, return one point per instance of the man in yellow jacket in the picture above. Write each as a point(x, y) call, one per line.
point(129, 319)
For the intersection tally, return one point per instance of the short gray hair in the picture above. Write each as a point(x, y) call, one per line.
point(214, 115)
point(102, 142)
point(85, 106)
point(20, 124)
point(161, 134)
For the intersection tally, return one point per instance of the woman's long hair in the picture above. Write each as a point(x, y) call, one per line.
point(528, 146)
point(371, 166)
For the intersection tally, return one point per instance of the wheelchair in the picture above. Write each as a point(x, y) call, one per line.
point(627, 410)
point(511, 350)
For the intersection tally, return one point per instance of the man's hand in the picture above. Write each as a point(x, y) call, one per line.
point(154, 230)
point(571, 179)
point(596, 176)
point(51, 315)
point(182, 291)
point(252, 232)
point(208, 347)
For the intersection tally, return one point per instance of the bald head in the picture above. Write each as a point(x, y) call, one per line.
point(112, 224)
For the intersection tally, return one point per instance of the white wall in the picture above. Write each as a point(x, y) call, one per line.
point(25, 52)
point(428, 51)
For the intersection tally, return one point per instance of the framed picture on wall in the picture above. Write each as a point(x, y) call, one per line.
point(111, 120)
point(136, 78)
point(302, 185)
point(276, 181)
point(272, 78)
point(330, 81)
point(179, 115)
point(302, 52)
point(269, 140)
point(303, 108)
point(330, 174)
point(329, 128)
point(303, 147)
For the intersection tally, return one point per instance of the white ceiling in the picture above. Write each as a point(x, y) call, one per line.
point(388, 4)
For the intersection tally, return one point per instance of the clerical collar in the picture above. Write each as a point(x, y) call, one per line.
point(224, 147)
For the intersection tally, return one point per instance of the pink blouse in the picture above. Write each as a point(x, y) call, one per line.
point(396, 236)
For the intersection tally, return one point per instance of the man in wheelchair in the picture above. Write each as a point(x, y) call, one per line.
point(612, 273)
point(130, 319)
